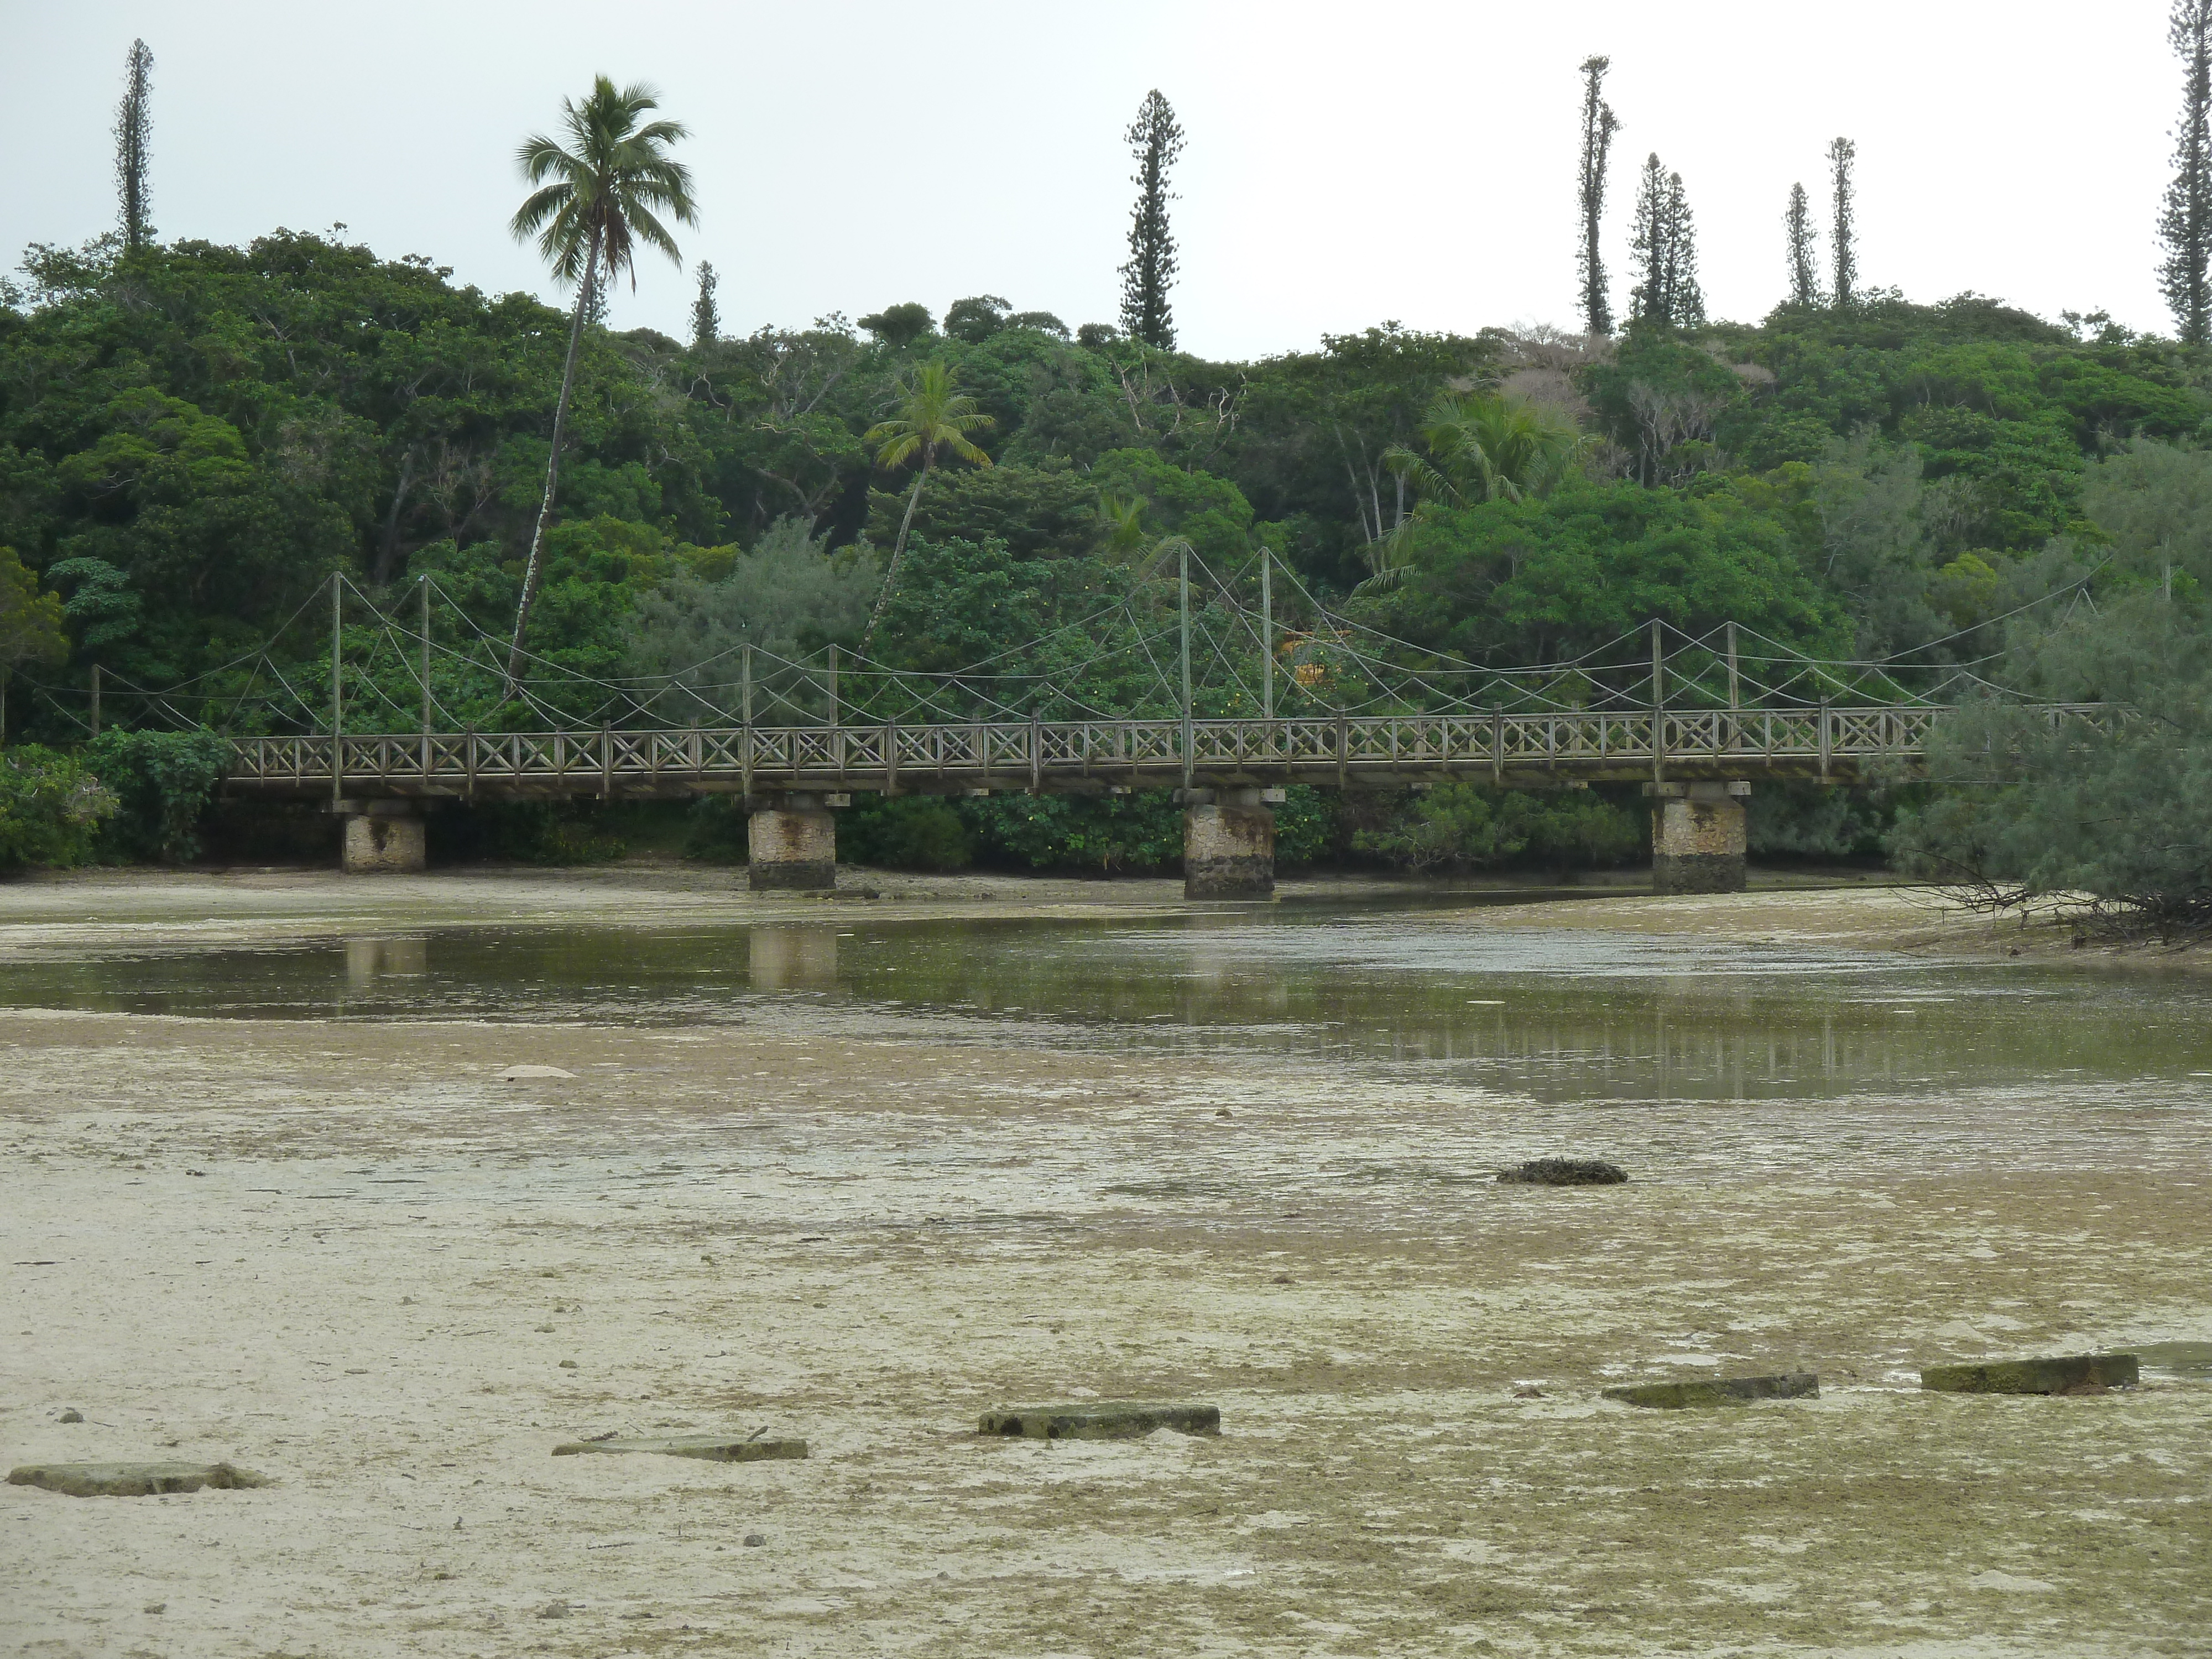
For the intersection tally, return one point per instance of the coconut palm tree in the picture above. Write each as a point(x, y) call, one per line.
point(599, 196)
point(932, 414)
point(1489, 447)
point(1483, 447)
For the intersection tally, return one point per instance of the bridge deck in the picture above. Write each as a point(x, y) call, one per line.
point(1086, 755)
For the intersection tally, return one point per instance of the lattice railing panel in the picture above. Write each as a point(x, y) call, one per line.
point(1602, 743)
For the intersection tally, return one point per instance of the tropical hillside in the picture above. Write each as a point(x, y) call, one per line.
point(194, 439)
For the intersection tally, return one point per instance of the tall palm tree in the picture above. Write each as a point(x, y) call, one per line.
point(932, 414)
point(1121, 519)
point(1483, 447)
point(1490, 446)
point(597, 198)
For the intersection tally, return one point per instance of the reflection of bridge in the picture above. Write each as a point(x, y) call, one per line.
point(1699, 761)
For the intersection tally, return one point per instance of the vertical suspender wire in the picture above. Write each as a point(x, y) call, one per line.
point(1185, 625)
point(1266, 644)
point(1735, 693)
point(337, 692)
point(1658, 705)
point(746, 716)
point(426, 678)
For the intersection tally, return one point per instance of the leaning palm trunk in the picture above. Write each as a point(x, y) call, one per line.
point(531, 567)
point(898, 552)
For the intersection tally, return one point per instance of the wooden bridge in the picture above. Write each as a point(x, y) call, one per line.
point(1080, 757)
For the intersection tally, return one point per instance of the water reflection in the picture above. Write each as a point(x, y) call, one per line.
point(792, 958)
point(1552, 1012)
point(406, 956)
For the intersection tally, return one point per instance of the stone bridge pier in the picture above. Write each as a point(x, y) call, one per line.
point(1229, 843)
point(1697, 836)
point(791, 842)
point(381, 837)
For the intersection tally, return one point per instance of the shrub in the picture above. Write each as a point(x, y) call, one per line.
point(1468, 826)
point(50, 809)
point(1097, 834)
point(904, 833)
point(714, 829)
point(1309, 826)
point(543, 832)
point(163, 782)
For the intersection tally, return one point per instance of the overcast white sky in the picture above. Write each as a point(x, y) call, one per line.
point(1399, 159)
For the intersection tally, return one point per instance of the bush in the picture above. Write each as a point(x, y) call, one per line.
point(714, 829)
point(50, 809)
point(1309, 827)
point(163, 782)
point(1812, 820)
point(1469, 826)
point(527, 832)
point(904, 833)
point(2027, 808)
point(1099, 834)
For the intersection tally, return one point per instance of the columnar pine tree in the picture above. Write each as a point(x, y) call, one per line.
point(2185, 227)
point(1686, 298)
point(134, 131)
point(1156, 139)
point(1804, 239)
point(1599, 124)
point(1647, 246)
point(706, 316)
point(1841, 154)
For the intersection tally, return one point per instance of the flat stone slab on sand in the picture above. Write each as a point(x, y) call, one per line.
point(132, 1479)
point(714, 1448)
point(1719, 1390)
point(1099, 1420)
point(2066, 1374)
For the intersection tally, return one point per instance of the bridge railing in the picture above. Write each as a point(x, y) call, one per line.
point(1595, 742)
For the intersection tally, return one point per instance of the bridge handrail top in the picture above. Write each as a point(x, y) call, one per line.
point(1796, 711)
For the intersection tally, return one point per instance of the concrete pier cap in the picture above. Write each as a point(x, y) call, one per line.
point(791, 842)
point(381, 837)
point(1229, 842)
point(1697, 836)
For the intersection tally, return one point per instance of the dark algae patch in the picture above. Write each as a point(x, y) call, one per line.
point(2067, 1373)
point(1565, 1172)
point(1718, 1390)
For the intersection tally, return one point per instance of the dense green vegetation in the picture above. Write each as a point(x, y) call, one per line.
point(196, 441)
point(194, 438)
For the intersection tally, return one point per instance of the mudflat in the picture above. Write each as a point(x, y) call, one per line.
point(345, 1253)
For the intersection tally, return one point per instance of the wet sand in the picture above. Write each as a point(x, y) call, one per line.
point(803, 1226)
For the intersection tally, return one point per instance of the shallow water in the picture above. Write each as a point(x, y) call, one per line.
point(1550, 1014)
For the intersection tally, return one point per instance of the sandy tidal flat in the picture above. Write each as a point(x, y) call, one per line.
point(347, 1255)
